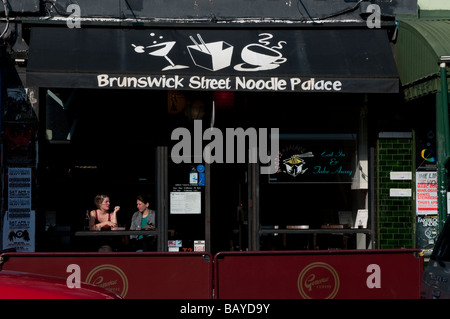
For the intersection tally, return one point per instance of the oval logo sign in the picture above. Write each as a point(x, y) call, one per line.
point(109, 277)
point(318, 281)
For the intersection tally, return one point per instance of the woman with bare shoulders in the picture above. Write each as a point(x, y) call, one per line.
point(101, 218)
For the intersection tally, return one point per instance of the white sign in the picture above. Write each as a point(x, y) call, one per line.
point(401, 175)
point(19, 231)
point(426, 188)
point(185, 203)
point(19, 220)
point(19, 190)
point(400, 192)
point(361, 218)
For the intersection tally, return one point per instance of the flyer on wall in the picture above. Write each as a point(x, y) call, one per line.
point(19, 219)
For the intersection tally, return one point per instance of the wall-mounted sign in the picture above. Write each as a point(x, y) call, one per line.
point(185, 202)
point(400, 192)
point(317, 160)
point(212, 59)
point(426, 189)
point(427, 231)
point(19, 221)
point(400, 176)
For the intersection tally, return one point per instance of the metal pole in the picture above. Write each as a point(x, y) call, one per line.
point(208, 245)
point(162, 197)
point(442, 143)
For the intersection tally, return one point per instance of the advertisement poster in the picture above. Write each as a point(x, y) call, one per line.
point(426, 188)
point(19, 231)
point(427, 232)
point(19, 220)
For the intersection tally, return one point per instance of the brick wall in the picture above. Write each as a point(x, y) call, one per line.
point(395, 215)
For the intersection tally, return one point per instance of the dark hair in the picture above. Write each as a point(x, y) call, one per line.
point(144, 198)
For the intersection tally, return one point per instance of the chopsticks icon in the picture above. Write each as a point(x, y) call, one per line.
point(202, 47)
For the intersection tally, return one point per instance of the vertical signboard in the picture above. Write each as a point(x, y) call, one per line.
point(426, 210)
point(19, 220)
point(426, 199)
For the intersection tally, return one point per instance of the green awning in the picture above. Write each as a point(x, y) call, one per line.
point(419, 46)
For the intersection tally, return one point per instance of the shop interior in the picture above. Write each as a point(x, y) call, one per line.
point(104, 141)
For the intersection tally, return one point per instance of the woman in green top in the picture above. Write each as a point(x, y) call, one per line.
point(143, 219)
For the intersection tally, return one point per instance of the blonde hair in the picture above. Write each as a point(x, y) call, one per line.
point(98, 200)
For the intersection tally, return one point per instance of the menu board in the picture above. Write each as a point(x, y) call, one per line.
point(319, 159)
point(185, 202)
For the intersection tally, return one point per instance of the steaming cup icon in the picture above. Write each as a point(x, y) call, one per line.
point(261, 55)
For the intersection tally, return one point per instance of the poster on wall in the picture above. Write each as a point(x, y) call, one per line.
point(427, 232)
point(19, 220)
point(426, 189)
point(19, 231)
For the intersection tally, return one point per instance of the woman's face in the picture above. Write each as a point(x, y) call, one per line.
point(141, 206)
point(105, 204)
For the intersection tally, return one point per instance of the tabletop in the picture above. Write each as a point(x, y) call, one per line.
point(114, 232)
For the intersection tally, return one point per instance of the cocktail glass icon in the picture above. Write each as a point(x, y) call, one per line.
point(161, 49)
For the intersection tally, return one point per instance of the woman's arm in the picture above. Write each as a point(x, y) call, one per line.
point(114, 216)
point(92, 220)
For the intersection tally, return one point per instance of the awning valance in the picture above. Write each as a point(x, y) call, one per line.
point(419, 46)
point(282, 60)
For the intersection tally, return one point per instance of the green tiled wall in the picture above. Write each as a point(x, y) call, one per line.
point(395, 215)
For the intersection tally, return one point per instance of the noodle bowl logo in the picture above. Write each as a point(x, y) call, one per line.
point(109, 277)
point(318, 281)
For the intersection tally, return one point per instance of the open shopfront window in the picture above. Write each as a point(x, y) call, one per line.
point(316, 187)
point(321, 184)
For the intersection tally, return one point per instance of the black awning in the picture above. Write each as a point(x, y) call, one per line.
point(283, 60)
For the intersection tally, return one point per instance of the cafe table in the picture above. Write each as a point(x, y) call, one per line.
point(305, 230)
point(97, 233)
point(122, 236)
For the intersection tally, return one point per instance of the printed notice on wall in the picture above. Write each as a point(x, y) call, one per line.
point(19, 221)
point(426, 188)
point(19, 232)
point(185, 203)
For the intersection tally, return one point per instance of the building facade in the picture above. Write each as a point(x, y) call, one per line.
point(255, 126)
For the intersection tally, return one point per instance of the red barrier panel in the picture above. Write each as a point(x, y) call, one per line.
point(130, 275)
point(355, 274)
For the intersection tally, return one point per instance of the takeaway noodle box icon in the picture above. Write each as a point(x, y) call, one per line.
point(212, 56)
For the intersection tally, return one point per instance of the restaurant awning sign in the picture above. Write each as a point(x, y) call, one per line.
point(277, 60)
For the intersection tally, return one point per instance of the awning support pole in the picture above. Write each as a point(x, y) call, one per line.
point(443, 145)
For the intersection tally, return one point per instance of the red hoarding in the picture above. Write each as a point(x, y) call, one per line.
point(356, 274)
point(130, 275)
point(339, 274)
